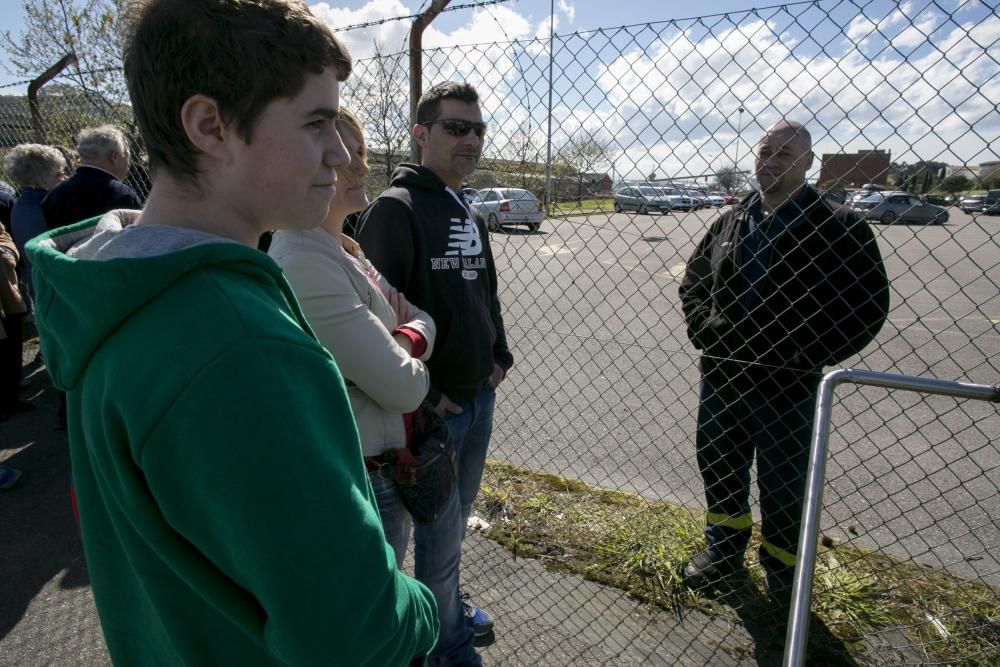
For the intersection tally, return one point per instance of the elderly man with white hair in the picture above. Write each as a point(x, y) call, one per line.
point(96, 187)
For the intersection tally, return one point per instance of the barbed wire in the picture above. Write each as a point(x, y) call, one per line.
point(455, 8)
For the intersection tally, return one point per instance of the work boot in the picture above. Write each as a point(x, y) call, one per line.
point(707, 568)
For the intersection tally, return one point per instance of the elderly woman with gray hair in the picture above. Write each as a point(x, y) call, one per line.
point(36, 169)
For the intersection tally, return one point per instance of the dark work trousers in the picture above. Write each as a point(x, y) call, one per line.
point(11, 350)
point(747, 411)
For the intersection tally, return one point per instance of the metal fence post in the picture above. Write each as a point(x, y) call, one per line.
point(798, 620)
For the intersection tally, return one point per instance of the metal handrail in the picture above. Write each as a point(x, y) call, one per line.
point(798, 618)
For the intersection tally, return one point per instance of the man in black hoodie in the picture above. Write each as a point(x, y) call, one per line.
point(424, 239)
point(782, 285)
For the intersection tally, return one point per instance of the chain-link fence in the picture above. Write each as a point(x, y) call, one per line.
point(594, 468)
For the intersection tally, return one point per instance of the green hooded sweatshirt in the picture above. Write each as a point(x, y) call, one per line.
point(225, 509)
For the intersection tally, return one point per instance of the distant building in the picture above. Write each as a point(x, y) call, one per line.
point(988, 170)
point(856, 169)
point(970, 173)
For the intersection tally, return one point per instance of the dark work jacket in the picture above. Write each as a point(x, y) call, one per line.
point(87, 193)
point(434, 250)
point(824, 296)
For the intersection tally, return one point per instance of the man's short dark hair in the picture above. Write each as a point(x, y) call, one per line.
point(429, 106)
point(241, 53)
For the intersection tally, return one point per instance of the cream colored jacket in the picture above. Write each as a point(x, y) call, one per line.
point(354, 321)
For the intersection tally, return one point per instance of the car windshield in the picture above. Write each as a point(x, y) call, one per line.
point(872, 199)
point(649, 191)
point(666, 192)
point(516, 194)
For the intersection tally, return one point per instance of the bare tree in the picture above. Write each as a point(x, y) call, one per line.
point(586, 151)
point(522, 157)
point(377, 94)
point(88, 29)
point(730, 178)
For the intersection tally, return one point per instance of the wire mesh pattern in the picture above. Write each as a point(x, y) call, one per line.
point(594, 468)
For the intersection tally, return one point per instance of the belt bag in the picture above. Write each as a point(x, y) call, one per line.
point(425, 473)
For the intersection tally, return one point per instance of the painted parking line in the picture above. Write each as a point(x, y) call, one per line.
point(674, 272)
point(552, 249)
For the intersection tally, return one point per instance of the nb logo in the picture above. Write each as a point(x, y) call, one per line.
point(464, 238)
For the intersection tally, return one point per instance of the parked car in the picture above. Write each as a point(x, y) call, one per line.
point(699, 198)
point(714, 199)
point(727, 198)
point(642, 198)
point(678, 200)
point(973, 204)
point(469, 193)
point(992, 202)
point(938, 200)
point(508, 206)
point(890, 207)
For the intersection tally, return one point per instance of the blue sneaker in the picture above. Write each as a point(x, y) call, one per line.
point(477, 619)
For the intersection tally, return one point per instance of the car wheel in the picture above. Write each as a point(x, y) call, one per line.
point(888, 218)
point(618, 207)
point(494, 223)
point(533, 227)
point(643, 210)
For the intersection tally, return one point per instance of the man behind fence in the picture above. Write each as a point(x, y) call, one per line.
point(782, 285)
point(226, 514)
point(424, 239)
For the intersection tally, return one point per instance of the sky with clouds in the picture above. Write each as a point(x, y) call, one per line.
point(918, 78)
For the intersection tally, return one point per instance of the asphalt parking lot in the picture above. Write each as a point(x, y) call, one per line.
point(604, 390)
point(605, 386)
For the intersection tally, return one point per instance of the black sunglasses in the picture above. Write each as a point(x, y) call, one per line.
point(459, 128)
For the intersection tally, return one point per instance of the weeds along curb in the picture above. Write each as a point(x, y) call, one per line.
point(622, 540)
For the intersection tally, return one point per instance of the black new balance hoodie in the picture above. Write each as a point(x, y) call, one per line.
point(431, 247)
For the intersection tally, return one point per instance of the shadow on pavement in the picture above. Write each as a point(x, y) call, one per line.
point(40, 538)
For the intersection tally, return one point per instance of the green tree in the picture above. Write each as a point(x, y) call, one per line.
point(955, 183)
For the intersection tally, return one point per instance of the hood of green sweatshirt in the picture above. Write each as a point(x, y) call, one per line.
point(80, 302)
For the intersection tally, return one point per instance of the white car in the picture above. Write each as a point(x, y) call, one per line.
point(712, 199)
point(508, 206)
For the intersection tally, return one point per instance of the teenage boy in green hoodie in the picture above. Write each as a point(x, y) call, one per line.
point(224, 505)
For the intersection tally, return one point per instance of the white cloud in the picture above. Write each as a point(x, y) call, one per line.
point(670, 99)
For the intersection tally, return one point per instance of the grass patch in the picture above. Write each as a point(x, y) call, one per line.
point(622, 540)
point(584, 206)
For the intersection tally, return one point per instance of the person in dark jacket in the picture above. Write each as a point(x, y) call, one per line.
point(96, 187)
point(424, 239)
point(36, 169)
point(782, 285)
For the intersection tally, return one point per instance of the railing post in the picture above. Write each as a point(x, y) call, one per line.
point(798, 617)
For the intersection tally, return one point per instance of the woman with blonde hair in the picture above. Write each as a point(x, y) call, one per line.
point(378, 339)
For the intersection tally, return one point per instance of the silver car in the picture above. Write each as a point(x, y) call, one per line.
point(508, 206)
point(678, 200)
point(890, 207)
point(973, 204)
point(642, 198)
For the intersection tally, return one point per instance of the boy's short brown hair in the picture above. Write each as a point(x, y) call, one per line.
point(241, 53)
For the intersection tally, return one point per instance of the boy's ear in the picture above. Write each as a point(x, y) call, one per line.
point(204, 126)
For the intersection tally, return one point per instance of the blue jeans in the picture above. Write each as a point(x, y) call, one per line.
point(438, 547)
point(395, 519)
